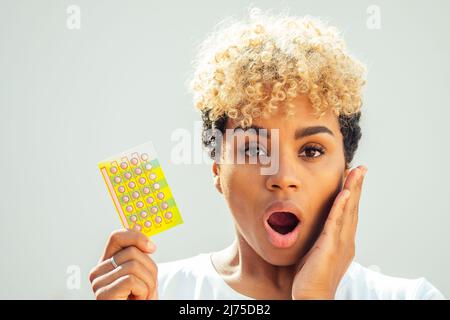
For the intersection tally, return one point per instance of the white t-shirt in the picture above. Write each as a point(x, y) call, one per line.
point(197, 278)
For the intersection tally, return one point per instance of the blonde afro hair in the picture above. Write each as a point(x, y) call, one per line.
point(245, 69)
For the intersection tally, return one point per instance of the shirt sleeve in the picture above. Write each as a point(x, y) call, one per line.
point(426, 291)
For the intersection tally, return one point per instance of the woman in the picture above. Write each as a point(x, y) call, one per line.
point(281, 102)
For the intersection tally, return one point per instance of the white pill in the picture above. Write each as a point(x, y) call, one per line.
point(156, 186)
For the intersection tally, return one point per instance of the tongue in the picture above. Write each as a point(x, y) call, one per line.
point(282, 219)
point(283, 222)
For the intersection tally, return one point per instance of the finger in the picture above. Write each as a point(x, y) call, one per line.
point(352, 209)
point(131, 267)
point(121, 239)
point(354, 184)
point(353, 203)
point(125, 255)
point(122, 288)
point(334, 221)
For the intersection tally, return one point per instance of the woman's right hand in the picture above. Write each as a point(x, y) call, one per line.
point(136, 276)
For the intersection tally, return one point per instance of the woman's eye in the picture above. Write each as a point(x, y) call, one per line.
point(254, 151)
point(312, 152)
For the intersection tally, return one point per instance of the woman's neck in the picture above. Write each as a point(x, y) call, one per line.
point(247, 273)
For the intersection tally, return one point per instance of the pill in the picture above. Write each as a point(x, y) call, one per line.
point(121, 189)
point(164, 205)
point(141, 180)
point(156, 186)
point(125, 199)
point(134, 161)
point(117, 179)
point(158, 219)
point(113, 170)
point(132, 184)
point(139, 204)
point(137, 227)
point(129, 208)
point(150, 200)
point(144, 214)
point(168, 215)
point(148, 166)
point(135, 194)
point(148, 224)
point(124, 165)
point(154, 209)
point(127, 175)
point(133, 218)
point(144, 156)
point(160, 195)
point(146, 190)
point(138, 171)
point(152, 176)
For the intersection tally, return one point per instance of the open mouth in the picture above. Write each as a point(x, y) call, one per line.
point(283, 222)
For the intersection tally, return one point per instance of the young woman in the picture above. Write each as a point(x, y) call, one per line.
point(279, 92)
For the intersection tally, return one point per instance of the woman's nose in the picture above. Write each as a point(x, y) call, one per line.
point(286, 178)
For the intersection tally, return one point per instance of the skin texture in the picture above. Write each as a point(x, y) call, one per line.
point(314, 265)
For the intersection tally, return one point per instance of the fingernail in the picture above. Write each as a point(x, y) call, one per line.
point(151, 245)
point(346, 194)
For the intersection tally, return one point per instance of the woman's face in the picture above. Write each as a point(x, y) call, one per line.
point(311, 171)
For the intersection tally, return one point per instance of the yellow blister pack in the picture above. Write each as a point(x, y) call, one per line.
point(139, 190)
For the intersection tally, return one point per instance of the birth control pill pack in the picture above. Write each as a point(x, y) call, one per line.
point(139, 190)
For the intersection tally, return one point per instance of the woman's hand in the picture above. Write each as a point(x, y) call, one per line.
point(322, 268)
point(136, 274)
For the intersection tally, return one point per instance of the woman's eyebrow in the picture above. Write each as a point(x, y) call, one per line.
point(257, 129)
point(309, 131)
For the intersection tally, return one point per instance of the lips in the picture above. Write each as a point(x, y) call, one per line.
point(282, 221)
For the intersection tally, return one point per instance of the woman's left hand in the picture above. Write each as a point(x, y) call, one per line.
point(322, 268)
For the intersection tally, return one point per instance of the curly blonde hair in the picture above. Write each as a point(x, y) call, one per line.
point(247, 68)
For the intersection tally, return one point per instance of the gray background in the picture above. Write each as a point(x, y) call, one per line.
point(70, 98)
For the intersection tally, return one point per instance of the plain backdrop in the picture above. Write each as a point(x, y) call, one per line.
point(72, 97)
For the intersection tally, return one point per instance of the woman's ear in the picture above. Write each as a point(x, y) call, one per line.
point(216, 175)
